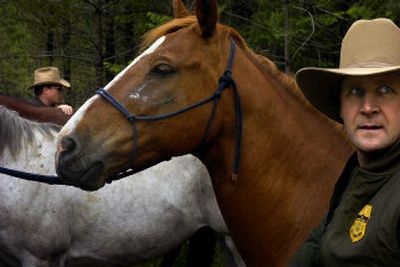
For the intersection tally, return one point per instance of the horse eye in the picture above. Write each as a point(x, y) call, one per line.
point(162, 69)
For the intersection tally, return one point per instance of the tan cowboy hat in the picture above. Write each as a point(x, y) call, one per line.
point(369, 47)
point(48, 75)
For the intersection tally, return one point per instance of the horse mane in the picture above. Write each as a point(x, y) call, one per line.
point(16, 131)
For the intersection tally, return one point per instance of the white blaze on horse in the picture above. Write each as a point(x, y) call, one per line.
point(200, 89)
point(131, 221)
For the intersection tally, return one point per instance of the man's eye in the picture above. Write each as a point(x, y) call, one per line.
point(386, 90)
point(355, 91)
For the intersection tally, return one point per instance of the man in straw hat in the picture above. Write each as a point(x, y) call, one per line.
point(363, 223)
point(48, 87)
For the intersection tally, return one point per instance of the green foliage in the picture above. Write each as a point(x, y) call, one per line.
point(329, 20)
point(154, 20)
point(114, 68)
point(91, 41)
point(15, 42)
point(359, 11)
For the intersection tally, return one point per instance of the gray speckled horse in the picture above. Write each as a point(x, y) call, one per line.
point(131, 221)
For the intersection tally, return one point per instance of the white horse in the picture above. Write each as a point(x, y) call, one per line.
point(129, 222)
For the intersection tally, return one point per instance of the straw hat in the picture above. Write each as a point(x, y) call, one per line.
point(369, 47)
point(48, 75)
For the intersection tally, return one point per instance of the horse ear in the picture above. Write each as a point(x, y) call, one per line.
point(207, 16)
point(180, 11)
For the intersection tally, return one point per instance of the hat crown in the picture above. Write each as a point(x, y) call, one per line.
point(371, 43)
point(47, 74)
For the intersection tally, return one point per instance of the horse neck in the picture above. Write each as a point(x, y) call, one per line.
point(276, 119)
point(290, 154)
point(35, 156)
point(26, 145)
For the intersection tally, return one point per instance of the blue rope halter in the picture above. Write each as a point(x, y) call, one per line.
point(225, 81)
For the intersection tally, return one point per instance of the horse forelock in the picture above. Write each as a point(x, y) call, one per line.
point(16, 132)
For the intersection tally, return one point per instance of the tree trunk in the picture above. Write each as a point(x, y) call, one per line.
point(110, 44)
point(50, 46)
point(286, 33)
point(99, 43)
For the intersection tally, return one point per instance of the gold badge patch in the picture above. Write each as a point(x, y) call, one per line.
point(357, 230)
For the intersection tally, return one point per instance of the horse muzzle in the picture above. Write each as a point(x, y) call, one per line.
point(77, 169)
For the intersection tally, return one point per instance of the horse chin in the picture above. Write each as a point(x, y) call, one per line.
point(89, 178)
point(93, 179)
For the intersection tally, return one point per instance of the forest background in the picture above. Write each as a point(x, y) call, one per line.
point(90, 41)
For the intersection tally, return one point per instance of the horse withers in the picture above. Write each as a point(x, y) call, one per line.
point(198, 88)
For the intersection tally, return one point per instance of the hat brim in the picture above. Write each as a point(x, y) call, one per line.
point(61, 82)
point(322, 86)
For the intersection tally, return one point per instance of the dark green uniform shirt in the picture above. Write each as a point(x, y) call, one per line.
point(364, 227)
point(37, 102)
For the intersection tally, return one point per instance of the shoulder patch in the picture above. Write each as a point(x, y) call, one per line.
point(357, 230)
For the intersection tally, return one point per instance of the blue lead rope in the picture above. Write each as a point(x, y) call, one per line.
point(47, 179)
point(52, 179)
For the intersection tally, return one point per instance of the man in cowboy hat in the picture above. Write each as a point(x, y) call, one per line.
point(363, 223)
point(48, 87)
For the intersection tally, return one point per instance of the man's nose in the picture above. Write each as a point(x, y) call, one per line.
point(370, 105)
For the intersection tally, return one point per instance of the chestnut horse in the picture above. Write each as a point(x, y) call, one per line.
point(286, 155)
point(32, 112)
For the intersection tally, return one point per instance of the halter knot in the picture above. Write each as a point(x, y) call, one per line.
point(226, 79)
point(131, 118)
point(218, 93)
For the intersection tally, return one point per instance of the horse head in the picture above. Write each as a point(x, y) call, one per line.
point(181, 65)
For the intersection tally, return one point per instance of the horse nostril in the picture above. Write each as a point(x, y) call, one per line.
point(68, 144)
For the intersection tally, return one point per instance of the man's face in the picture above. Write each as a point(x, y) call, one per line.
point(370, 109)
point(53, 94)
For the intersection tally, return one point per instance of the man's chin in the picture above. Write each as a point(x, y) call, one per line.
point(374, 148)
point(371, 144)
point(370, 148)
